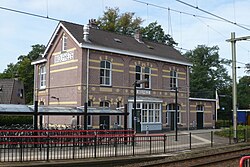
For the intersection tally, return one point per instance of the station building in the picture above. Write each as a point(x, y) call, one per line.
point(83, 64)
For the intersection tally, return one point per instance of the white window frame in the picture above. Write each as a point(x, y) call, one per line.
point(149, 77)
point(138, 73)
point(106, 71)
point(104, 102)
point(173, 79)
point(200, 108)
point(148, 114)
point(171, 108)
point(64, 42)
point(42, 73)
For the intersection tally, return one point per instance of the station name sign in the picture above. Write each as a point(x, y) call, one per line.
point(143, 92)
point(63, 57)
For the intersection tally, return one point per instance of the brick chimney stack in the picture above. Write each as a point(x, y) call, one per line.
point(92, 23)
point(138, 36)
point(86, 33)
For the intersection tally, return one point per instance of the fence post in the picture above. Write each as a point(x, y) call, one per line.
point(150, 140)
point(73, 147)
point(230, 136)
point(190, 141)
point(212, 138)
point(95, 143)
point(164, 143)
point(115, 144)
point(21, 150)
point(48, 147)
point(133, 144)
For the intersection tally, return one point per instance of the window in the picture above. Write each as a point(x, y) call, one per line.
point(147, 75)
point(90, 103)
point(173, 79)
point(200, 108)
point(64, 43)
point(104, 104)
point(139, 76)
point(42, 77)
point(89, 120)
point(171, 108)
point(151, 112)
point(105, 73)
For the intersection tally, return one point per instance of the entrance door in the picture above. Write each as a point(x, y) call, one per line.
point(199, 120)
point(104, 122)
point(172, 120)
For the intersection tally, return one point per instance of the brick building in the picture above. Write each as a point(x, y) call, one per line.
point(84, 64)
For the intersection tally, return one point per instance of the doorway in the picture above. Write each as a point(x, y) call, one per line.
point(104, 122)
point(199, 120)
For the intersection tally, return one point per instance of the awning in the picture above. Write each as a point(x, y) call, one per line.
point(16, 109)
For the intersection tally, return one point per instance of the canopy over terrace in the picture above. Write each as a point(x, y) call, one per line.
point(17, 109)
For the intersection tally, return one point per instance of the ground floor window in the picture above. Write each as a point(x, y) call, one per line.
point(150, 112)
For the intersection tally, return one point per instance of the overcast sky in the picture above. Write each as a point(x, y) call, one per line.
point(18, 32)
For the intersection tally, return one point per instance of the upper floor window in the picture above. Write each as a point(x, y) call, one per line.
point(105, 104)
point(199, 108)
point(105, 73)
point(64, 43)
point(147, 76)
point(42, 77)
point(139, 75)
point(173, 79)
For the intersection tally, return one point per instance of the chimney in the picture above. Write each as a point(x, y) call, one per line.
point(92, 23)
point(138, 36)
point(86, 33)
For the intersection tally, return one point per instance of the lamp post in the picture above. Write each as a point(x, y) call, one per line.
point(134, 117)
point(233, 41)
point(176, 113)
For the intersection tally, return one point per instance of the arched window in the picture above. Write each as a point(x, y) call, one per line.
point(41, 103)
point(105, 73)
point(199, 108)
point(105, 103)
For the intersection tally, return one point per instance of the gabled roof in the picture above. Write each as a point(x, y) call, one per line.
point(121, 44)
point(6, 89)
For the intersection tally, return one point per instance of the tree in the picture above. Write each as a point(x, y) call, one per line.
point(127, 23)
point(121, 23)
point(154, 32)
point(243, 93)
point(248, 68)
point(24, 70)
point(207, 72)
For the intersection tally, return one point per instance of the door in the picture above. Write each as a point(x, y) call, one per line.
point(104, 122)
point(172, 120)
point(199, 120)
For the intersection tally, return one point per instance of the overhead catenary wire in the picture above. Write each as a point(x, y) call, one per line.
point(214, 15)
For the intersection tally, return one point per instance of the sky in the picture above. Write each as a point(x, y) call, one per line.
point(188, 26)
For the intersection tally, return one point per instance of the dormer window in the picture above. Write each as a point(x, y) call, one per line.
point(64, 43)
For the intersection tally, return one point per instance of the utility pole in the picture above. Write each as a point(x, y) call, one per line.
point(233, 45)
point(176, 114)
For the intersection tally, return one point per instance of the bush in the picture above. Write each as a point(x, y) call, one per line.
point(10, 120)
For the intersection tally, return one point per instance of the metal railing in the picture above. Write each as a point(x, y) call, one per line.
point(44, 145)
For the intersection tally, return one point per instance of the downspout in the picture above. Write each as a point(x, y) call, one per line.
point(188, 104)
point(87, 78)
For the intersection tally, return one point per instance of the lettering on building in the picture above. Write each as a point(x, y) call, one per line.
point(63, 57)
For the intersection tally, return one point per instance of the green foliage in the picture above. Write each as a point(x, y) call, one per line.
point(207, 72)
point(127, 23)
point(9, 120)
point(24, 70)
point(154, 32)
point(121, 23)
point(229, 132)
point(244, 92)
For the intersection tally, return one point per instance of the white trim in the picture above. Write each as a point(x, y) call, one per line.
point(148, 101)
point(202, 99)
point(141, 55)
point(55, 34)
point(39, 61)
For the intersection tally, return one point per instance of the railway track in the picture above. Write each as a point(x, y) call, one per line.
point(222, 158)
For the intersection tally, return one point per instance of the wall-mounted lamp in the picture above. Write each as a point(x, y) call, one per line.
point(1, 88)
point(54, 97)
